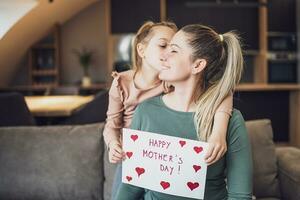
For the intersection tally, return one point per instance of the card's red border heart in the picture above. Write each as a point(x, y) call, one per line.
point(134, 137)
point(139, 171)
point(182, 143)
point(129, 154)
point(192, 185)
point(196, 167)
point(129, 178)
point(198, 149)
point(165, 184)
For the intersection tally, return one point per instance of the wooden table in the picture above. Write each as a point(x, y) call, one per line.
point(56, 106)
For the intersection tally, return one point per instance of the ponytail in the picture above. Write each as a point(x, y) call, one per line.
point(216, 91)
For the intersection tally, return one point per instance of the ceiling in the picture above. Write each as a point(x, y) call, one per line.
point(31, 28)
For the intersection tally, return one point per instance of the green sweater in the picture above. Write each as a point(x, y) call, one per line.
point(236, 165)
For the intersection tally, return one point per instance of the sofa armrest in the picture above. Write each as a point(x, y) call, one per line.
point(289, 172)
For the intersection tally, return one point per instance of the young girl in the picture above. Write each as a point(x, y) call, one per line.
point(134, 86)
point(203, 67)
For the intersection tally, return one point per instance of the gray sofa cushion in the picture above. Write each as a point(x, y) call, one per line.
point(49, 163)
point(109, 173)
point(289, 172)
point(265, 180)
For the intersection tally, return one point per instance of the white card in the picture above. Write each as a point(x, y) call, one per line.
point(166, 164)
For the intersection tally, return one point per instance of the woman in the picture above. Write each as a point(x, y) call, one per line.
point(203, 67)
point(134, 86)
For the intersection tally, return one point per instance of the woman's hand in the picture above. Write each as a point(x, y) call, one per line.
point(216, 149)
point(115, 151)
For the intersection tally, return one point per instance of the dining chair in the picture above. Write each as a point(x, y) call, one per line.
point(92, 112)
point(14, 110)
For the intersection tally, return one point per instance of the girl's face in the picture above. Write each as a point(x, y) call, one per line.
point(178, 63)
point(154, 50)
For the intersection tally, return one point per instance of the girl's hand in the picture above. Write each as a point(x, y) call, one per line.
point(216, 149)
point(115, 152)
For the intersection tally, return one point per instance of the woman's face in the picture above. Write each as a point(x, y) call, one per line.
point(178, 62)
point(157, 46)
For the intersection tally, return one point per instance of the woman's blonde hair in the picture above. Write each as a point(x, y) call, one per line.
point(144, 35)
point(219, 78)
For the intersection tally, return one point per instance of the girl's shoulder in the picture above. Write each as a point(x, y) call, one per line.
point(121, 83)
point(124, 76)
point(122, 79)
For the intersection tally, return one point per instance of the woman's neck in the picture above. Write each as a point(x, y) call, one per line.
point(181, 98)
point(146, 78)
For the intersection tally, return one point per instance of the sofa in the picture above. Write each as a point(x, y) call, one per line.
point(70, 163)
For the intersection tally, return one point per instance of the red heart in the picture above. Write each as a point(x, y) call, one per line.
point(139, 170)
point(134, 137)
point(196, 167)
point(164, 184)
point(192, 185)
point(129, 178)
point(129, 154)
point(182, 143)
point(198, 149)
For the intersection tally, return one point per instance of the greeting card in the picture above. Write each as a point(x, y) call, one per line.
point(166, 164)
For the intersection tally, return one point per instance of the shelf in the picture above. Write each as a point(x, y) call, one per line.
point(251, 52)
point(44, 60)
point(44, 72)
point(224, 4)
point(40, 86)
point(241, 87)
point(95, 86)
point(44, 46)
point(43, 85)
point(270, 33)
point(268, 87)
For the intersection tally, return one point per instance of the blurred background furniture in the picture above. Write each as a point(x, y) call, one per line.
point(276, 170)
point(92, 112)
point(51, 162)
point(75, 89)
point(44, 59)
point(62, 90)
point(56, 106)
point(14, 110)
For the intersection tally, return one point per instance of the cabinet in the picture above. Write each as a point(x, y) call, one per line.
point(257, 21)
point(127, 16)
point(223, 16)
point(282, 42)
point(262, 24)
point(282, 16)
point(44, 60)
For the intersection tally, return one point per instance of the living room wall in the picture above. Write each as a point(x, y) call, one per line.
point(32, 27)
point(87, 29)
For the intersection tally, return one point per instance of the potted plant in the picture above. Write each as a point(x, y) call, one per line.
point(85, 58)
